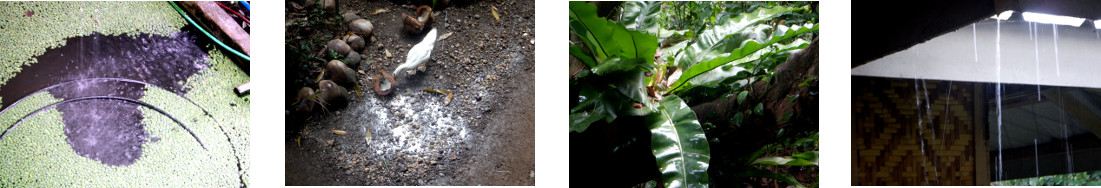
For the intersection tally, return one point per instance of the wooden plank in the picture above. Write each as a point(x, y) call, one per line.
point(214, 13)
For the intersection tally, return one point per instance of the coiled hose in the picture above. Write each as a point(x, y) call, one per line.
point(188, 18)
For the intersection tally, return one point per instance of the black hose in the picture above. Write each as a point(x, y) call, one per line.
point(207, 113)
point(44, 108)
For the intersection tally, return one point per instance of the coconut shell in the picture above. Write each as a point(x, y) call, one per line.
point(361, 27)
point(411, 24)
point(339, 46)
point(381, 82)
point(303, 99)
point(352, 59)
point(415, 25)
point(338, 72)
point(357, 43)
point(349, 17)
point(333, 95)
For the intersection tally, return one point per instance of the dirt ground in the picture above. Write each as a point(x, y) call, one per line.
point(485, 135)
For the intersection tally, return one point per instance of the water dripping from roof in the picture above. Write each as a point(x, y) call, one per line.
point(921, 132)
point(975, 37)
point(998, 90)
point(1037, 43)
point(1055, 31)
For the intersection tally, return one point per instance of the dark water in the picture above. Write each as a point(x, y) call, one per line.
point(105, 130)
point(158, 60)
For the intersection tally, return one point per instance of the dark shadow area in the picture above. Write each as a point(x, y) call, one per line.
point(613, 154)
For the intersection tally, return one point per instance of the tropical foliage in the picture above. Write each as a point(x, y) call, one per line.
point(659, 57)
point(1072, 179)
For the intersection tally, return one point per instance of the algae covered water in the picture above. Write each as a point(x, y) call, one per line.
point(101, 93)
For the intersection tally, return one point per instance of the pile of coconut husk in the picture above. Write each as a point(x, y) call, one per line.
point(340, 74)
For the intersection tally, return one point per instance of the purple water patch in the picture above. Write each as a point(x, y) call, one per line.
point(108, 131)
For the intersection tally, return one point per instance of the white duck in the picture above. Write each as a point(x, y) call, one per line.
point(418, 54)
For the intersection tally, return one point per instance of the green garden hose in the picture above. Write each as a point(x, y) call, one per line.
point(239, 54)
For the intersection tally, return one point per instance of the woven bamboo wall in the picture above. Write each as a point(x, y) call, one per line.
point(887, 148)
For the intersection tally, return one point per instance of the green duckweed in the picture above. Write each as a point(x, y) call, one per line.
point(36, 153)
point(52, 22)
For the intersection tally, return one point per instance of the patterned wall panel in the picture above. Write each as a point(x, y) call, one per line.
point(890, 147)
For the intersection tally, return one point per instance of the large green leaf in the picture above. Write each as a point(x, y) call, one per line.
point(729, 71)
point(679, 144)
point(607, 96)
point(618, 59)
point(631, 85)
point(646, 16)
point(749, 49)
point(642, 16)
point(610, 39)
point(811, 156)
point(784, 161)
point(804, 159)
point(736, 73)
point(726, 35)
point(595, 105)
point(616, 65)
point(582, 15)
point(585, 57)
